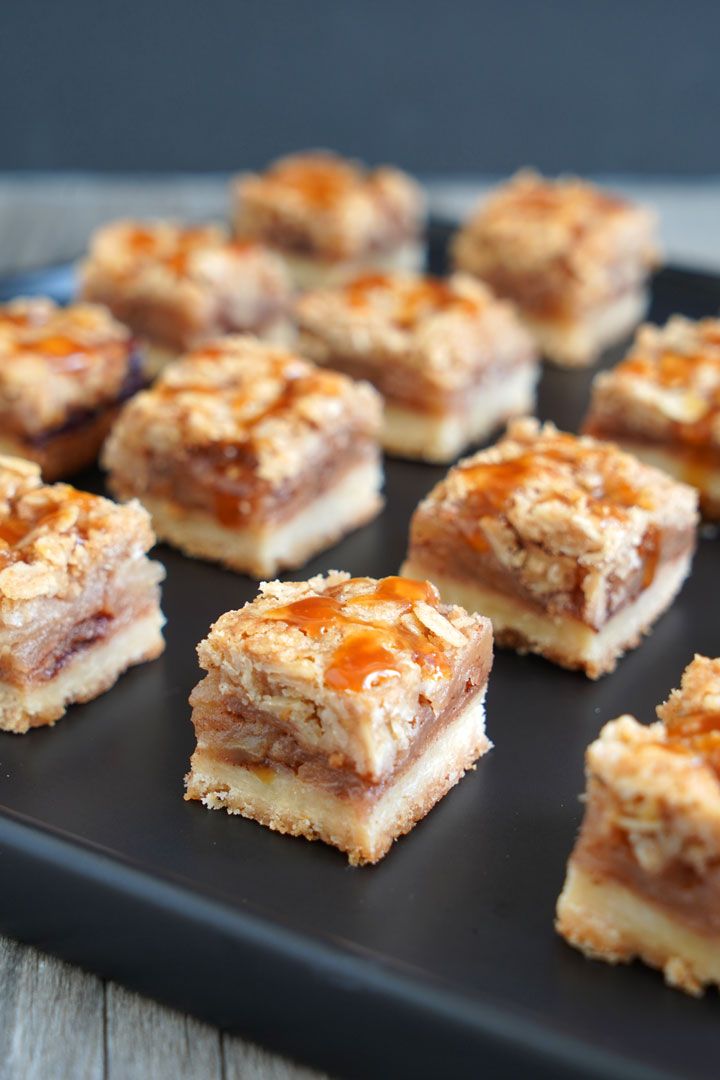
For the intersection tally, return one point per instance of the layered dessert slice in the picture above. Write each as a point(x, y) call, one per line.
point(570, 546)
point(451, 361)
point(331, 218)
point(644, 877)
point(79, 599)
point(250, 456)
point(340, 709)
point(662, 403)
point(574, 258)
point(64, 373)
point(178, 286)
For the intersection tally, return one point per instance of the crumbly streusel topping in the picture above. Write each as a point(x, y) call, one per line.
point(600, 240)
point(210, 283)
point(350, 660)
point(668, 386)
point(56, 361)
point(546, 503)
point(249, 400)
point(444, 330)
point(53, 536)
point(323, 205)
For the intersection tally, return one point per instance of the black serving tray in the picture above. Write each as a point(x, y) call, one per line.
point(442, 960)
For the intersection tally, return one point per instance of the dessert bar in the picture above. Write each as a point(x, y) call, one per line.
point(451, 361)
point(79, 599)
point(570, 546)
point(340, 709)
point(64, 372)
point(574, 258)
point(250, 456)
point(662, 403)
point(644, 878)
point(330, 218)
point(178, 286)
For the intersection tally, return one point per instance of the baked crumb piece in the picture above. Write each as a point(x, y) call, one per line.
point(339, 708)
point(330, 217)
point(178, 286)
point(574, 258)
point(572, 547)
point(662, 403)
point(451, 361)
point(79, 599)
point(64, 372)
point(644, 878)
point(248, 455)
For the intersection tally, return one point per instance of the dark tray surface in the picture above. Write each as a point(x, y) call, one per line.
point(450, 937)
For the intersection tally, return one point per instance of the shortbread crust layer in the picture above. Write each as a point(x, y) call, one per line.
point(364, 827)
point(579, 342)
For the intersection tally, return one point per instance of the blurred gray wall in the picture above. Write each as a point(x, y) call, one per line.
point(460, 86)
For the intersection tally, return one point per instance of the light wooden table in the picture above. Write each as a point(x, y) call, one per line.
point(57, 1023)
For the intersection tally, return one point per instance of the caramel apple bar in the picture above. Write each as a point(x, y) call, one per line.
point(574, 258)
point(340, 709)
point(331, 218)
point(643, 879)
point(662, 403)
point(572, 548)
point(177, 286)
point(250, 456)
point(451, 361)
point(64, 373)
point(79, 599)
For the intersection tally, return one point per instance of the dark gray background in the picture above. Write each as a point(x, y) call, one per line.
point(591, 85)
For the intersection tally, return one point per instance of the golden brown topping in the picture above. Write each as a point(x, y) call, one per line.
point(691, 715)
point(667, 387)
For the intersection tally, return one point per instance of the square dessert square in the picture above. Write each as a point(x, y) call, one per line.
point(178, 286)
point(643, 879)
point(451, 361)
point(662, 403)
point(79, 599)
point(340, 709)
point(250, 456)
point(574, 258)
point(572, 548)
point(64, 373)
point(331, 218)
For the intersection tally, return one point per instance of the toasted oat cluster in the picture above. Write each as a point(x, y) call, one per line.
point(663, 402)
point(63, 373)
point(79, 600)
point(450, 360)
point(643, 880)
point(177, 286)
point(248, 454)
point(318, 208)
point(574, 258)
point(560, 540)
point(339, 708)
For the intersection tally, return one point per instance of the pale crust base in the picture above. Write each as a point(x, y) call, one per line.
point(308, 273)
point(610, 922)
point(265, 550)
point(64, 454)
point(564, 640)
point(364, 829)
point(580, 342)
point(95, 669)
point(682, 467)
point(412, 433)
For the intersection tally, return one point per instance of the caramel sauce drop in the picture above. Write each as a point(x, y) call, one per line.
point(427, 296)
point(64, 353)
point(368, 648)
point(320, 183)
point(696, 733)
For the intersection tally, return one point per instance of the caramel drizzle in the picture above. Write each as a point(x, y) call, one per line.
point(321, 183)
point(492, 484)
point(413, 301)
point(175, 250)
point(696, 733)
point(678, 371)
point(14, 530)
point(368, 649)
